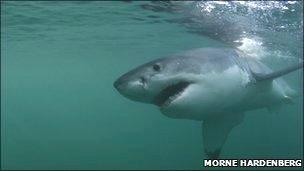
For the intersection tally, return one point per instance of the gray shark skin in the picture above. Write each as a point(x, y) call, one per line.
point(212, 85)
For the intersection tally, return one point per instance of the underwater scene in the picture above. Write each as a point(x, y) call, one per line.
point(73, 97)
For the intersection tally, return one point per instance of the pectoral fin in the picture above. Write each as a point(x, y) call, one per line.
point(215, 131)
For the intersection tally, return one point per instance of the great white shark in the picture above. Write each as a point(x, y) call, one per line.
point(213, 85)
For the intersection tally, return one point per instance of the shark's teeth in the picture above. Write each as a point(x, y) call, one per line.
point(170, 93)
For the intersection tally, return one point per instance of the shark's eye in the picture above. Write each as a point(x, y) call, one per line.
point(156, 67)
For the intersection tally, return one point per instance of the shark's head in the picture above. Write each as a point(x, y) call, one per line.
point(159, 82)
point(187, 85)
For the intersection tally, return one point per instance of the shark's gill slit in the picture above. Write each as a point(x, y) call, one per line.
point(170, 93)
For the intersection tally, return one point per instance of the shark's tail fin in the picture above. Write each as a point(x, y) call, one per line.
point(276, 74)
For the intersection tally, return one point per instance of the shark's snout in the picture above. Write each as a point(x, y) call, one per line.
point(122, 82)
point(129, 86)
point(117, 84)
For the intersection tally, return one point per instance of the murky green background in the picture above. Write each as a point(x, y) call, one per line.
point(59, 109)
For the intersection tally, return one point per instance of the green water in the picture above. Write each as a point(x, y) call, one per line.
point(59, 109)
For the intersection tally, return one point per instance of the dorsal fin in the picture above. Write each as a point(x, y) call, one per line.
point(276, 74)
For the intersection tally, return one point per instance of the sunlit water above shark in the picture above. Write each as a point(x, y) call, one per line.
point(59, 61)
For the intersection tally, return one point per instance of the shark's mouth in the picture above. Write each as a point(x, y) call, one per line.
point(170, 93)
